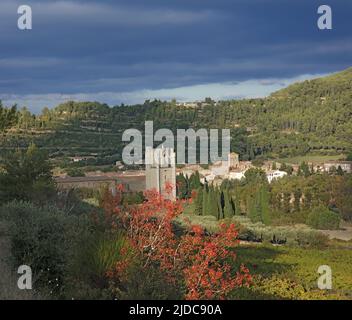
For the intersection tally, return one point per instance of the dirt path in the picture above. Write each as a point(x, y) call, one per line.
point(8, 277)
point(345, 233)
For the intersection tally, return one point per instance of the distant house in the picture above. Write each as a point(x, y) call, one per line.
point(236, 175)
point(188, 170)
point(346, 166)
point(275, 174)
point(209, 178)
point(79, 159)
point(119, 165)
point(219, 170)
point(189, 104)
point(233, 160)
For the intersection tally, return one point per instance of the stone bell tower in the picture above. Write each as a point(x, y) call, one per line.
point(160, 170)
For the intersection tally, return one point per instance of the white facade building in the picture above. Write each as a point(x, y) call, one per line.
point(275, 174)
point(237, 175)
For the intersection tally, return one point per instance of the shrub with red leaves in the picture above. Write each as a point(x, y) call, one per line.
point(202, 263)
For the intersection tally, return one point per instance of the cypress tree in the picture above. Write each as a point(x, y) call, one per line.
point(264, 205)
point(219, 196)
point(194, 181)
point(182, 190)
point(198, 202)
point(212, 203)
point(205, 202)
point(297, 201)
point(339, 171)
point(228, 207)
point(253, 203)
point(259, 210)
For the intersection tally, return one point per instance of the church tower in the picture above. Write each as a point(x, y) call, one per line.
point(160, 170)
point(233, 161)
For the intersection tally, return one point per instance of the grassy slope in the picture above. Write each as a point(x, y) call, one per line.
point(341, 81)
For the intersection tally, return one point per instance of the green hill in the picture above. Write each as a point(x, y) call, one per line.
point(337, 83)
point(308, 117)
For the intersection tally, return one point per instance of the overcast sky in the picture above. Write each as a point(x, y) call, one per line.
point(119, 51)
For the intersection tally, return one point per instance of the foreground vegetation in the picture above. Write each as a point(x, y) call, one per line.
point(76, 256)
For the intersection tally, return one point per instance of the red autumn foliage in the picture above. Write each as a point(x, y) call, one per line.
point(109, 202)
point(200, 262)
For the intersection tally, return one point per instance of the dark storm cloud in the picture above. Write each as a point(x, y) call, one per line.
point(95, 46)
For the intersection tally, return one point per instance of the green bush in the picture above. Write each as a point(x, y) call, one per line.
point(42, 238)
point(324, 219)
point(147, 283)
point(288, 235)
point(75, 172)
point(312, 239)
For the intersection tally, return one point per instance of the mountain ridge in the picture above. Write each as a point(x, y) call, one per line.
point(309, 116)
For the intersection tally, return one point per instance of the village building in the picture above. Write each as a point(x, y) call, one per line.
point(67, 183)
point(188, 170)
point(346, 166)
point(275, 174)
point(237, 175)
point(130, 183)
point(233, 161)
point(79, 159)
point(119, 165)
